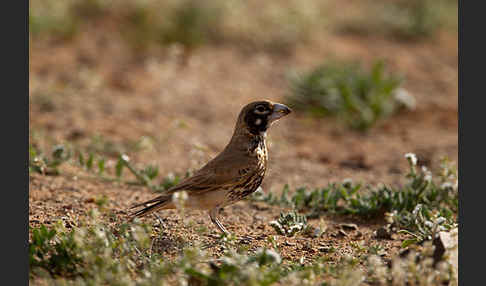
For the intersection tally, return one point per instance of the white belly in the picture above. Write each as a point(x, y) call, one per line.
point(207, 200)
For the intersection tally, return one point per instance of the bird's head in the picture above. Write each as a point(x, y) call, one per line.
point(256, 117)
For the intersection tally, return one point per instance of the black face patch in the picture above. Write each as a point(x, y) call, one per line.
point(257, 118)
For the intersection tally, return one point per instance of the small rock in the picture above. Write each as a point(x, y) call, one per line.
point(349, 226)
point(405, 98)
point(359, 234)
point(316, 232)
point(447, 242)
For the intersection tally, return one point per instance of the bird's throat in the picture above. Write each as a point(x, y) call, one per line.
point(257, 141)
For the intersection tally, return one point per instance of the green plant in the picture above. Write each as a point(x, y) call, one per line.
point(261, 268)
point(48, 165)
point(421, 207)
point(283, 200)
point(94, 251)
point(54, 251)
point(62, 19)
point(290, 223)
point(147, 175)
point(422, 224)
point(104, 146)
point(169, 181)
point(360, 98)
point(51, 17)
point(89, 162)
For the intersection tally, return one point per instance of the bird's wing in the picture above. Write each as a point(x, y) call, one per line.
point(202, 181)
point(226, 170)
point(223, 171)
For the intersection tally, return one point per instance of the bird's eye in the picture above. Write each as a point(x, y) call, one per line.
point(260, 109)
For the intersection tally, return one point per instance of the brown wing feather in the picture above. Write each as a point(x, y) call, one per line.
point(223, 171)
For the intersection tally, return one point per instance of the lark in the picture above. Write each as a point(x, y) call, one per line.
point(233, 174)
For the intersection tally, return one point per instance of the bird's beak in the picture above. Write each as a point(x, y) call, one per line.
point(279, 111)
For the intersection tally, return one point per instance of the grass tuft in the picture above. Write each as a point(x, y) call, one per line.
point(358, 97)
point(55, 252)
point(45, 164)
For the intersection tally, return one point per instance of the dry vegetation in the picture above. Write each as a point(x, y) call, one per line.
point(162, 82)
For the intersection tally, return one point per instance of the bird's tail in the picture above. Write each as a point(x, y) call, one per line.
point(151, 206)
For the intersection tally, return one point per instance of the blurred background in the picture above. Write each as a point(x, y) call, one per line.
point(163, 82)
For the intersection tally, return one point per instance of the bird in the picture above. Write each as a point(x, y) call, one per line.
point(233, 174)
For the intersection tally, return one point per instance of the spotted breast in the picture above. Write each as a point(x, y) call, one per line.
point(253, 176)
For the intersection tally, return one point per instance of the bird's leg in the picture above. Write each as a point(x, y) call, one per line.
point(214, 218)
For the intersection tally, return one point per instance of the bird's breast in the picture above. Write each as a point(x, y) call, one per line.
point(252, 179)
point(258, 149)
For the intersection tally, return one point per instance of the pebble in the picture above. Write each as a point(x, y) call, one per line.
point(349, 226)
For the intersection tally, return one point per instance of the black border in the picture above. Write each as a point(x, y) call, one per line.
point(471, 150)
point(15, 141)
